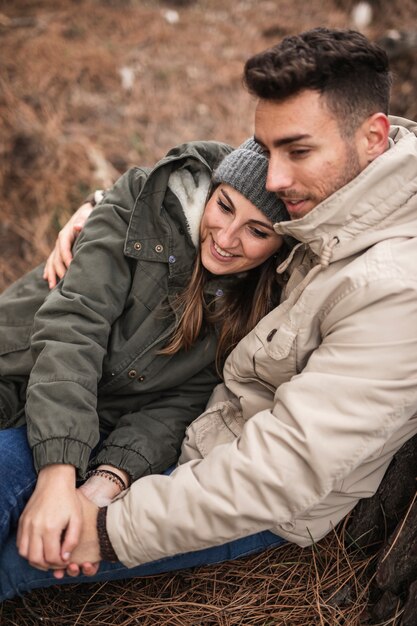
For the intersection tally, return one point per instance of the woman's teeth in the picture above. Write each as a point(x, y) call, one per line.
point(220, 251)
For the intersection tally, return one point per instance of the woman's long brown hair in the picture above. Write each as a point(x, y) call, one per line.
point(233, 315)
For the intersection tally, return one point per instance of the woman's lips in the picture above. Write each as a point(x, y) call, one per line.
point(219, 253)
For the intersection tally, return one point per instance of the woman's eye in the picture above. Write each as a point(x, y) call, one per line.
point(259, 233)
point(223, 206)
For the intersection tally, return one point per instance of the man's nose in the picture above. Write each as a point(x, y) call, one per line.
point(279, 175)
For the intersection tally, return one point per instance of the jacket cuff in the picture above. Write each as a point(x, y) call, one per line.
point(128, 460)
point(107, 552)
point(62, 450)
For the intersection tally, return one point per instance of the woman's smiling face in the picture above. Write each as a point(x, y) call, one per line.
point(235, 235)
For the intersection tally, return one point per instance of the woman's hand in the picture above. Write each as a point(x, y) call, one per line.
point(61, 256)
point(50, 525)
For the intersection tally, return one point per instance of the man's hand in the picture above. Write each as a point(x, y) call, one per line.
point(86, 556)
point(50, 525)
point(61, 256)
point(100, 489)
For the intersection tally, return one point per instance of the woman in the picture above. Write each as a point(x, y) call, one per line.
point(122, 353)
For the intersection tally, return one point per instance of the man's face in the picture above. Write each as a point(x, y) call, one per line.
point(308, 158)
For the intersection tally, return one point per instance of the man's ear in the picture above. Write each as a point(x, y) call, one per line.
point(375, 135)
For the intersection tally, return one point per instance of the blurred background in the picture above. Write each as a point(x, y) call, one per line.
point(91, 87)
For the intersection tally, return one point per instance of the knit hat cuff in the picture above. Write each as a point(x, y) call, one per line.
point(245, 169)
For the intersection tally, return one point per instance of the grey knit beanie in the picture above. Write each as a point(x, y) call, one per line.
point(245, 169)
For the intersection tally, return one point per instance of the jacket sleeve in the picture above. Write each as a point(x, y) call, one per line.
point(356, 389)
point(71, 332)
point(149, 441)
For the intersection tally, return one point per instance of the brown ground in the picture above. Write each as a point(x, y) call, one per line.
point(89, 87)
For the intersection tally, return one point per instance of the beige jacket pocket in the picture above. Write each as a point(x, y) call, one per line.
point(222, 423)
point(275, 361)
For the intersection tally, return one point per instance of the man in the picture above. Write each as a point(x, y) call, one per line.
point(320, 396)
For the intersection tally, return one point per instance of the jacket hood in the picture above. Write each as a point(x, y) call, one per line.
point(380, 202)
point(191, 189)
point(208, 152)
point(185, 170)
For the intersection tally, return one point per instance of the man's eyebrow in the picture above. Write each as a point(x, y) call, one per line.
point(277, 143)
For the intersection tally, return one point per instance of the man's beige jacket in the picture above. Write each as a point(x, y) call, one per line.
point(320, 395)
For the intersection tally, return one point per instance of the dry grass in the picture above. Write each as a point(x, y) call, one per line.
point(322, 585)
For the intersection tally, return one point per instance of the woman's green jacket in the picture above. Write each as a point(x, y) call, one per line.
point(83, 359)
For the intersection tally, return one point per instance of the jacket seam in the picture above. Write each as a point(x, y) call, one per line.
point(64, 437)
point(43, 381)
point(124, 448)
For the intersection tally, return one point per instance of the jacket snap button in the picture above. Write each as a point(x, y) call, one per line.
point(137, 245)
point(141, 379)
point(271, 334)
point(159, 248)
point(171, 259)
point(132, 373)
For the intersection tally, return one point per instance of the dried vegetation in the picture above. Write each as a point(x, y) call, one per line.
point(325, 584)
point(90, 87)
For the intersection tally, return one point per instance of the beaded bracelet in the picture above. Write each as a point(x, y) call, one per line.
point(115, 478)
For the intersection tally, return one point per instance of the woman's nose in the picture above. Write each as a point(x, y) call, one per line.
point(228, 237)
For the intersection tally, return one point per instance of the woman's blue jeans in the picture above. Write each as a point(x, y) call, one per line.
point(17, 478)
point(17, 576)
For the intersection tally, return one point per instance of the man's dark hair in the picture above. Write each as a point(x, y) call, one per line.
point(351, 72)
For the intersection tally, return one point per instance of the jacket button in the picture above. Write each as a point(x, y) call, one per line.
point(159, 248)
point(137, 245)
point(141, 379)
point(132, 373)
point(271, 334)
point(171, 259)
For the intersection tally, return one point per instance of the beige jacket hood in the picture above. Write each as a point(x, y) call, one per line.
point(317, 398)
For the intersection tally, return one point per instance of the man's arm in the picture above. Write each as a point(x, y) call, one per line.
point(356, 392)
point(335, 415)
point(61, 256)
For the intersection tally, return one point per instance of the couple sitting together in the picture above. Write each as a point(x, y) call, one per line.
point(286, 268)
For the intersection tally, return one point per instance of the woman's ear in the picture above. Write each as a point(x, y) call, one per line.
point(375, 134)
